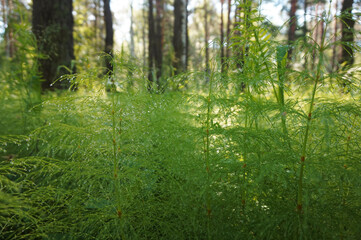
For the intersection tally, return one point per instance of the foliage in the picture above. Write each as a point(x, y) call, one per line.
point(263, 152)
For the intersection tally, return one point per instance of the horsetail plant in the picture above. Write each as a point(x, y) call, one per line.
point(316, 80)
point(207, 149)
point(215, 161)
point(116, 148)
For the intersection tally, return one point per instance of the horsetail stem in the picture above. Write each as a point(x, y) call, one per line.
point(116, 149)
point(207, 154)
point(308, 124)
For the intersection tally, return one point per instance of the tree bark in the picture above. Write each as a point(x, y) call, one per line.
point(315, 37)
point(222, 39)
point(187, 37)
point(305, 30)
point(8, 20)
point(180, 36)
point(159, 41)
point(334, 49)
point(228, 52)
point(322, 24)
point(238, 50)
point(206, 38)
point(144, 15)
point(151, 46)
point(98, 26)
point(131, 31)
point(155, 44)
point(109, 38)
point(293, 26)
point(53, 28)
point(5, 22)
point(347, 37)
point(11, 38)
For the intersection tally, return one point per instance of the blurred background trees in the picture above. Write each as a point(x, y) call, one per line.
point(168, 37)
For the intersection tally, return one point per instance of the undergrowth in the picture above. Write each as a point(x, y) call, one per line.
point(265, 152)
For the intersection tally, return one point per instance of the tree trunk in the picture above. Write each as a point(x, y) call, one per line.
point(151, 46)
point(206, 38)
point(144, 36)
point(53, 28)
point(293, 26)
point(305, 30)
point(228, 53)
point(334, 49)
point(187, 37)
point(238, 50)
point(130, 65)
point(180, 35)
point(305, 6)
point(315, 37)
point(222, 39)
point(322, 24)
point(11, 30)
point(159, 41)
point(99, 40)
point(5, 22)
point(347, 37)
point(132, 51)
point(109, 38)
point(7, 11)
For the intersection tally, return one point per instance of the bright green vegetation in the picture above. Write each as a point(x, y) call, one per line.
point(277, 159)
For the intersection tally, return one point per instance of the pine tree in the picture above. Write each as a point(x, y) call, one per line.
point(53, 27)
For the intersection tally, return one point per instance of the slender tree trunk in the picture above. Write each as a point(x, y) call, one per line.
point(155, 44)
point(334, 47)
point(130, 65)
point(180, 36)
point(151, 46)
point(238, 49)
point(347, 37)
point(305, 6)
point(53, 28)
point(305, 31)
point(317, 29)
point(222, 39)
point(132, 51)
point(322, 24)
point(5, 22)
point(228, 52)
point(144, 36)
point(184, 34)
point(11, 30)
point(293, 26)
point(97, 26)
point(187, 37)
point(159, 41)
point(109, 38)
point(7, 11)
point(246, 32)
point(315, 37)
point(206, 37)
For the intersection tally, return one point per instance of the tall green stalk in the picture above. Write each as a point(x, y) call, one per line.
point(317, 79)
point(245, 151)
point(117, 192)
point(282, 51)
point(207, 155)
point(343, 186)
